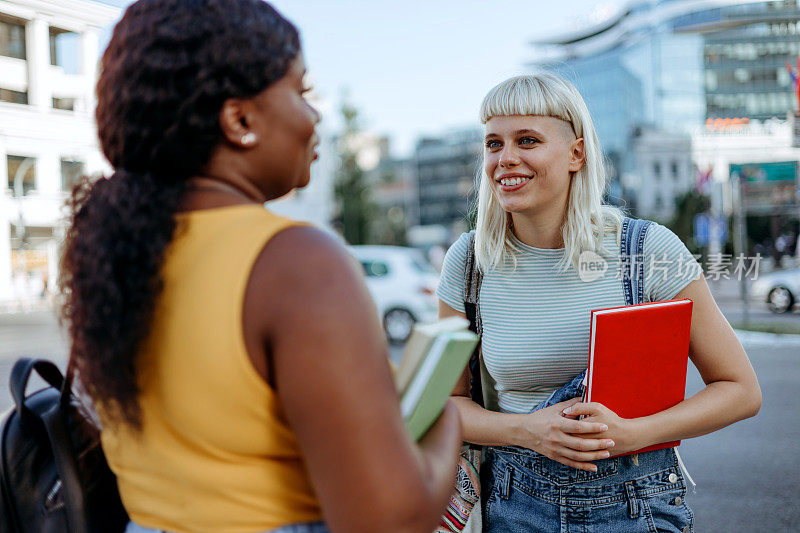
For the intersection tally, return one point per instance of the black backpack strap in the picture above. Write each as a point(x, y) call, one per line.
point(631, 255)
point(472, 287)
point(64, 455)
point(18, 383)
point(55, 426)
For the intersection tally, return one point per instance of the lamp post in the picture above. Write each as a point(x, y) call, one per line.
point(740, 243)
point(21, 229)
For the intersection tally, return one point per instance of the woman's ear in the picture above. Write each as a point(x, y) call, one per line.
point(235, 124)
point(577, 155)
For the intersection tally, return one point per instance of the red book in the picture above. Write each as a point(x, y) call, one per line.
point(638, 357)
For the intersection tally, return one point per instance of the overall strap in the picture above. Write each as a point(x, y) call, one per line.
point(631, 253)
point(472, 287)
point(631, 256)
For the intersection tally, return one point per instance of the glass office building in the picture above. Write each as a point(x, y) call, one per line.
point(745, 65)
point(672, 64)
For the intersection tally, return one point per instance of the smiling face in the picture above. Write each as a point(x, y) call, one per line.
point(529, 161)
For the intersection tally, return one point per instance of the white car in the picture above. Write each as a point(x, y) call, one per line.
point(779, 289)
point(403, 285)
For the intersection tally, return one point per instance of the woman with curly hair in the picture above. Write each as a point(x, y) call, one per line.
point(229, 351)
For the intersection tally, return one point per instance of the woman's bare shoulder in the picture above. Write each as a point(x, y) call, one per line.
point(306, 270)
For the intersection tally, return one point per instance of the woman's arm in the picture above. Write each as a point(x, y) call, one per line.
point(731, 392)
point(545, 431)
point(330, 368)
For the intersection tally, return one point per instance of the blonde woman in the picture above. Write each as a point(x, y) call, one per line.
point(539, 207)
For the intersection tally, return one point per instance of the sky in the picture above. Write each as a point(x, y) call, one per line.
point(415, 68)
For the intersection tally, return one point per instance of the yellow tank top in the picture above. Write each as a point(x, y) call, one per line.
point(215, 452)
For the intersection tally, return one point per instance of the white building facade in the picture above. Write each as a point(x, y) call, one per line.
point(49, 53)
point(663, 171)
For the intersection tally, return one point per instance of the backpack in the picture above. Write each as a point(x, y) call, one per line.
point(53, 474)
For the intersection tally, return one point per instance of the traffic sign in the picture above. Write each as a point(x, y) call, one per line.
point(702, 229)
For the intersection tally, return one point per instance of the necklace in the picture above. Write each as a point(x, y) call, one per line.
point(202, 183)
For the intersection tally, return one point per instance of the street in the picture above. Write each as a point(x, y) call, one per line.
point(747, 475)
point(727, 294)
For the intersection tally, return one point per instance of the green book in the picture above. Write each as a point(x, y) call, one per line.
point(434, 380)
point(418, 345)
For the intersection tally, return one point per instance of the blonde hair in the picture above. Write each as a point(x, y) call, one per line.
point(587, 219)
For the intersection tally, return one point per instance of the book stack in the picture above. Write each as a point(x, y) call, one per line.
point(432, 363)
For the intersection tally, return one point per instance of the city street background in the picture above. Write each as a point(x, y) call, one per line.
point(695, 103)
point(747, 475)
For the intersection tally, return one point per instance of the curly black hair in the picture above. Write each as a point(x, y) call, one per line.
point(168, 69)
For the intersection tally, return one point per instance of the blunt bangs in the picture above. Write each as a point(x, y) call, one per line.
point(543, 94)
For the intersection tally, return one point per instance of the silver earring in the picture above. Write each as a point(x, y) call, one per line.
point(248, 138)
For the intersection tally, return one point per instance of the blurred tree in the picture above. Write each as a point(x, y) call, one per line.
point(389, 227)
point(351, 190)
point(687, 207)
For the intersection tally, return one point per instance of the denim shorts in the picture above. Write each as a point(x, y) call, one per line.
point(525, 491)
point(311, 527)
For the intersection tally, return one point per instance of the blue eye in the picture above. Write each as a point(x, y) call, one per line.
point(528, 140)
point(492, 144)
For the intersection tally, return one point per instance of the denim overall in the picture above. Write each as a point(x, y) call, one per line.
point(525, 491)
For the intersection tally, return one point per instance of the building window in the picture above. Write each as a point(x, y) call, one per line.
point(65, 50)
point(658, 203)
point(67, 104)
point(711, 80)
point(71, 173)
point(15, 97)
point(12, 38)
point(674, 170)
point(657, 169)
point(28, 176)
point(742, 75)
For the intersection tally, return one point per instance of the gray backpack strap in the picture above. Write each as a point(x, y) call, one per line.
point(472, 287)
point(631, 255)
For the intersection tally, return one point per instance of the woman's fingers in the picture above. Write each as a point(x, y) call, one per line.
point(587, 445)
point(581, 427)
point(579, 408)
point(585, 456)
point(569, 449)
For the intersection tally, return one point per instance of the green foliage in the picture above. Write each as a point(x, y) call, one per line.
point(351, 190)
point(687, 207)
point(389, 227)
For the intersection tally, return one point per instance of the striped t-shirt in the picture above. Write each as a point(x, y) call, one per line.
point(536, 317)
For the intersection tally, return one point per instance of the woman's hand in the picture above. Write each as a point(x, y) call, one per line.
point(623, 431)
point(562, 439)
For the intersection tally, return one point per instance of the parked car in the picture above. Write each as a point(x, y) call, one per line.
point(403, 285)
point(779, 289)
